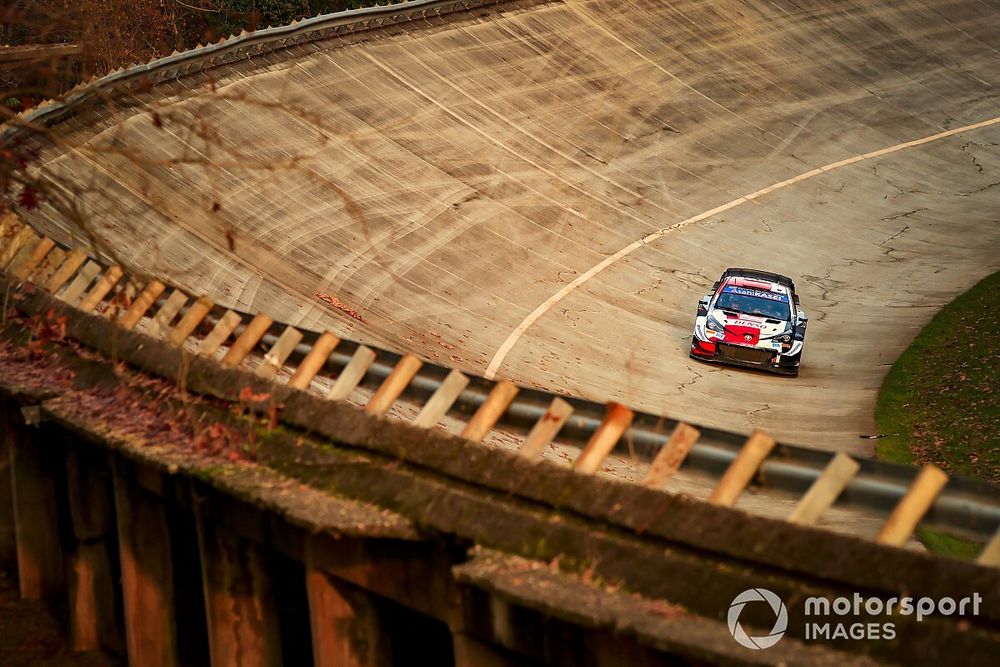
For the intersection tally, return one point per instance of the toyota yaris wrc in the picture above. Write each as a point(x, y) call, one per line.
point(752, 318)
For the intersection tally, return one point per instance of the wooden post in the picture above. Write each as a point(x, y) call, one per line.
point(470, 652)
point(346, 628)
point(278, 355)
point(220, 333)
point(101, 288)
point(912, 506)
point(166, 314)
point(147, 574)
point(48, 266)
point(25, 235)
point(353, 373)
point(990, 555)
point(545, 429)
point(240, 605)
point(8, 543)
point(616, 420)
point(742, 469)
point(74, 260)
point(441, 401)
point(486, 417)
point(31, 262)
point(314, 361)
point(825, 490)
point(142, 304)
point(247, 341)
point(192, 318)
point(669, 459)
point(74, 291)
point(93, 615)
point(393, 385)
point(40, 567)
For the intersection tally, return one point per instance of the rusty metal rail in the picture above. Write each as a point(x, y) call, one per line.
point(321, 362)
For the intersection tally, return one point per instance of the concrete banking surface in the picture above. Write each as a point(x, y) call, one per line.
point(542, 191)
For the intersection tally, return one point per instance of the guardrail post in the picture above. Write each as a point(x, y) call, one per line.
point(31, 262)
point(314, 361)
point(93, 613)
point(192, 318)
point(240, 608)
point(496, 403)
point(669, 459)
point(74, 260)
point(990, 555)
point(912, 506)
point(40, 567)
point(220, 333)
point(545, 429)
point(616, 420)
point(742, 469)
point(147, 297)
point(825, 490)
point(352, 374)
point(247, 341)
point(440, 402)
point(147, 574)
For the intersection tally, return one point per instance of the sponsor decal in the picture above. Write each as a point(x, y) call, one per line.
point(760, 294)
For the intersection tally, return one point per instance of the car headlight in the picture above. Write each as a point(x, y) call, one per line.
point(713, 325)
point(784, 338)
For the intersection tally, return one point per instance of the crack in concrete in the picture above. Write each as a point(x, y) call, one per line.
point(978, 190)
point(965, 149)
point(903, 215)
point(659, 281)
point(897, 234)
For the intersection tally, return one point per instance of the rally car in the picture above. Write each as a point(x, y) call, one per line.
point(752, 318)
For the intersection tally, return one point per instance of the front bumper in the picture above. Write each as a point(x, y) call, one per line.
point(746, 357)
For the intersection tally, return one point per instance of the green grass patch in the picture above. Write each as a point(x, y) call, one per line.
point(943, 393)
point(942, 396)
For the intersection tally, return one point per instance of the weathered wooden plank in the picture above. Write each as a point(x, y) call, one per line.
point(444, 397)
point(669, 459)
point(142, 304)
point(616, 420)
point(393, 385)
point(546, 429)
point(247, 340)
point(314, 361)
point(912, 507)
point(825, 490)
point(742, 469)
point(486, 417)
point(353, 373)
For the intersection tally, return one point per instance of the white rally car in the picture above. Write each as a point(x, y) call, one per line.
point(752, 318)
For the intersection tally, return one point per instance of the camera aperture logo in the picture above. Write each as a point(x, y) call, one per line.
point(780, 618)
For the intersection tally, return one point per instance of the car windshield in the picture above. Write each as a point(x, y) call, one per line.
point(774, 306)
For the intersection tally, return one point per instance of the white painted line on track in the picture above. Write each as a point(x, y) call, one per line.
point(546, 305)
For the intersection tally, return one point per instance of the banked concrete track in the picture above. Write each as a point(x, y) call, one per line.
point(542, 190)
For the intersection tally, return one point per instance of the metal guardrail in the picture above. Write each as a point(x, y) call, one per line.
point(965, 507)
point(233, 49)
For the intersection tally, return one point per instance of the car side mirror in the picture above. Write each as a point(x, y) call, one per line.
point(703, 304)
point(801, 317)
